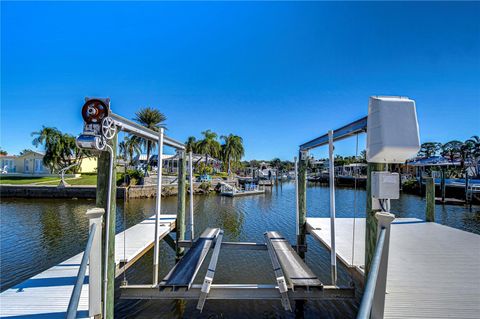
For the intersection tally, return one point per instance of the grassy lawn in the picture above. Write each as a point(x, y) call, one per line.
point(19, 180)
point(85, 179)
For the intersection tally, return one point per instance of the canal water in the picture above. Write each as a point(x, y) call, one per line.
point(39, 233)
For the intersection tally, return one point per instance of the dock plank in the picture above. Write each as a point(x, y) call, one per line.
point(433, 270)
point(47, 294)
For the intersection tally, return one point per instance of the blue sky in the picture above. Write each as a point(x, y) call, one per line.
point(277, 74)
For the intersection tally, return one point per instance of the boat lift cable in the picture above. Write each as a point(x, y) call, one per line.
point(107, 227)
point(124, 220)
point(354, 200)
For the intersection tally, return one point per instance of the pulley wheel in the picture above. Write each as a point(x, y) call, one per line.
point(109, 129)
point(100, 143)
point(94, 111)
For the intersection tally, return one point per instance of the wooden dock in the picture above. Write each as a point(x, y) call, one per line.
point(47, 294)
point(243, 193)
point(433, 270)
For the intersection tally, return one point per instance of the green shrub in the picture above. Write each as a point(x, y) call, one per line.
point(411, 186)
point(202, 168)
point(205, 186)
point(131, 177)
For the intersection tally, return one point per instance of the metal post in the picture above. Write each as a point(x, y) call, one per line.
point(371, 221)
point(190, 170)
point(302, 202)
point(384, 221)
point(443, 184)
point(95, 216)
point(466, 185)
point(181, 202)
point(106, 197)
point(430, 199)
point(333, 256)
point(158, 207)
point(297, 224)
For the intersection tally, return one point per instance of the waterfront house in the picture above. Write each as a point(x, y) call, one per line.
point(170, 162)
point(31, 163)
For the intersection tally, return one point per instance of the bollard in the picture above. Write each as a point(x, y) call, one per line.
point(95, 216)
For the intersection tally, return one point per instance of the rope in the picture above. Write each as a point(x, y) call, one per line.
point(124, 219)
point(354, 202)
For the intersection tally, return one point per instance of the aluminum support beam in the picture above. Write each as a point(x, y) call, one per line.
point(139, 130)
point(235, 292)
point(339, 134)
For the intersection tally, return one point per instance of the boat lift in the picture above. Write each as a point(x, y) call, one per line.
point(294, 279)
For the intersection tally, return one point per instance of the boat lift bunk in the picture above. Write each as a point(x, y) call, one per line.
point(294, 279)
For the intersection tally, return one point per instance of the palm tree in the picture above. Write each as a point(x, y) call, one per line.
point(473, 146)
point(60, 149)
point(232, 149)
point(152, 119)
point(452, 150)
point(191, 144)
point(51, 139)
point(209, 146)
point(475, 142)
point(429, 149)
point(132, 146)
point(122, 150)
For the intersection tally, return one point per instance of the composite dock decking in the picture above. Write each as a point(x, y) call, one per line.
point(433, 270)
point(47, 294)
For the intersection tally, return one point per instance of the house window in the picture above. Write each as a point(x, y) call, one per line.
point(38, 165)
point(25, 165)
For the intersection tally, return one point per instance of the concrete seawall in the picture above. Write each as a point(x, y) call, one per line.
point(44, 191)
point(47, 191)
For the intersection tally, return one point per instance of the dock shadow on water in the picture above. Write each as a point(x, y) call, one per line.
point(38, 234)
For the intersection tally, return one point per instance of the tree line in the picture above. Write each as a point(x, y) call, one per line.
point(468, 150)
point(61, 149)
point(230, 150)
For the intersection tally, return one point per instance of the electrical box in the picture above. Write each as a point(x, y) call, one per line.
point(392, 129)
point(385, 185)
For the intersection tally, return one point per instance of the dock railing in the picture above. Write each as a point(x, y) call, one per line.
point(93, 256)
point(373, 300)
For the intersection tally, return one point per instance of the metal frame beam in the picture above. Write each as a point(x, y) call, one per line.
point(236, 292)
point(348, 130)
point(207, 282)
point(139, 130)
point(232, 245)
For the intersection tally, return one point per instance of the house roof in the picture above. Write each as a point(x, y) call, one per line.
point(433, 161)
point(34, 152)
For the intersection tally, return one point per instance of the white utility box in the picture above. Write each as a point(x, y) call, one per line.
point(385, 185)
point(392, 129)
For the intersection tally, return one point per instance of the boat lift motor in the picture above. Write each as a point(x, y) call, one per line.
point(98, 125)
point(392, 137)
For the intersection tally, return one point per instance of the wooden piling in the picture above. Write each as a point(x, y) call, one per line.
point(103, 177)
point(371, 220)
point(302, 202)
point(181, 198)
point(430, 199)
point(443, 184)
